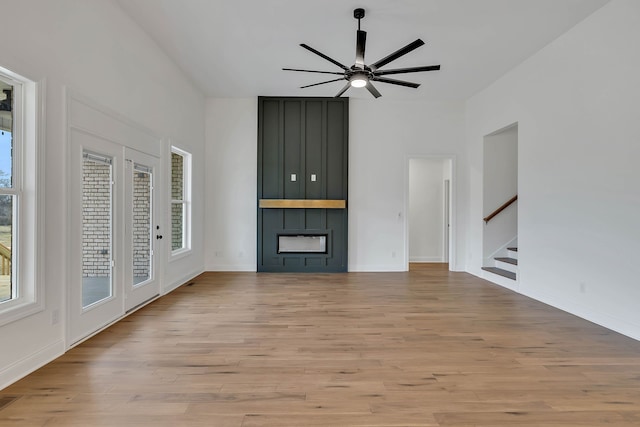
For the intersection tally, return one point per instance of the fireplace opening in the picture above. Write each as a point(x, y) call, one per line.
point(302, 243)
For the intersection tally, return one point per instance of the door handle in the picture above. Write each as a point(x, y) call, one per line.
point(158, 236)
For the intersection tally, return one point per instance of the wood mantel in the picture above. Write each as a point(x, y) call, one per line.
point(302, 204)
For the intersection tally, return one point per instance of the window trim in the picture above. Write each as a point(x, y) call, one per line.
point(28, 174)
point(185, 202)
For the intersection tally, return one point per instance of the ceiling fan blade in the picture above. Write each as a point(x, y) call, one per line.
point(343, 90)
point(396, 82)
point(361, 41)
point(397, 54)
point(314, 71)
point(321, 83)
point(373, 90)
point(322, 55)
point(407, 70)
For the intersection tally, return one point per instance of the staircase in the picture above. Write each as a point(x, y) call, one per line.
point(506, 266)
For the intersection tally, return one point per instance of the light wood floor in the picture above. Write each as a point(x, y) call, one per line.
point(425, 348)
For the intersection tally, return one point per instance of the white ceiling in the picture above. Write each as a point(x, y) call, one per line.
point(237, 48)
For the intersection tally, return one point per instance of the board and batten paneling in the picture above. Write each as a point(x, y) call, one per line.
point(302, 155)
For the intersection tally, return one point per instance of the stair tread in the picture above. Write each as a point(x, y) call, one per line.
point(508, 260)
point(504, 273)
point(515, 249)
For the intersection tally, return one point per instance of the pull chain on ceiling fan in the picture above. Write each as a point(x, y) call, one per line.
point(360, 74)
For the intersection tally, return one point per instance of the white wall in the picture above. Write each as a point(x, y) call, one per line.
point(231, 181)
point(576, 103)
point(383, 134)
point(500, 184)
point(426, 209)
point(93, 49)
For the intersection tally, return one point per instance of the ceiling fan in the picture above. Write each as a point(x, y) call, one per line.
point(360, 74)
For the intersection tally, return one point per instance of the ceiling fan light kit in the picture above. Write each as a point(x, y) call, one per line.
point(358, 80)
point(361, 75)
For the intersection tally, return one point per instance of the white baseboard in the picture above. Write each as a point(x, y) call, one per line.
point(426, 259)
point(623, 327)
point(249, 268)
point(20, 369)
point(376, 268)
point(181, 281)
point(498, 280)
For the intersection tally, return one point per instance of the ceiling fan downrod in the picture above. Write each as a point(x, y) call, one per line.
point(358, 14)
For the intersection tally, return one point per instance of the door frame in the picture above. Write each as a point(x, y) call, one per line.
point(452, 249)
point(447, 220)
point(84, 115)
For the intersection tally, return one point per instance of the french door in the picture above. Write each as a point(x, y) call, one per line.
point(95, 294)
point(141, 229)
point(112, 231)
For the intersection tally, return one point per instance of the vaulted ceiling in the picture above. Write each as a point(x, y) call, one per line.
point(237, 48)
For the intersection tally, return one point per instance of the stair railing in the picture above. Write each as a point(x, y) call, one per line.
point(500, 209)
point(5, 261)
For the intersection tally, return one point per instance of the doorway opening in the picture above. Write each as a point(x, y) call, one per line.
point(429, 232)
point(500, 206)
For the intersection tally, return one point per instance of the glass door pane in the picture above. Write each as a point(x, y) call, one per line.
point(142, 221)
point(177, 202)
point(96, 229)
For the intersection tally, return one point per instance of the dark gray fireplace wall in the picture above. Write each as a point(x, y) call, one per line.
point(302, 154)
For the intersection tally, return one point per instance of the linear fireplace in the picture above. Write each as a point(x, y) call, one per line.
point(306, 243)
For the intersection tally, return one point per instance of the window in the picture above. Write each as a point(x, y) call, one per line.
point(8, 194)
point(180, 201)
point(18, 177)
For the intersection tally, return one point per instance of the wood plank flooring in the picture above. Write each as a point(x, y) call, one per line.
point(424, 348)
